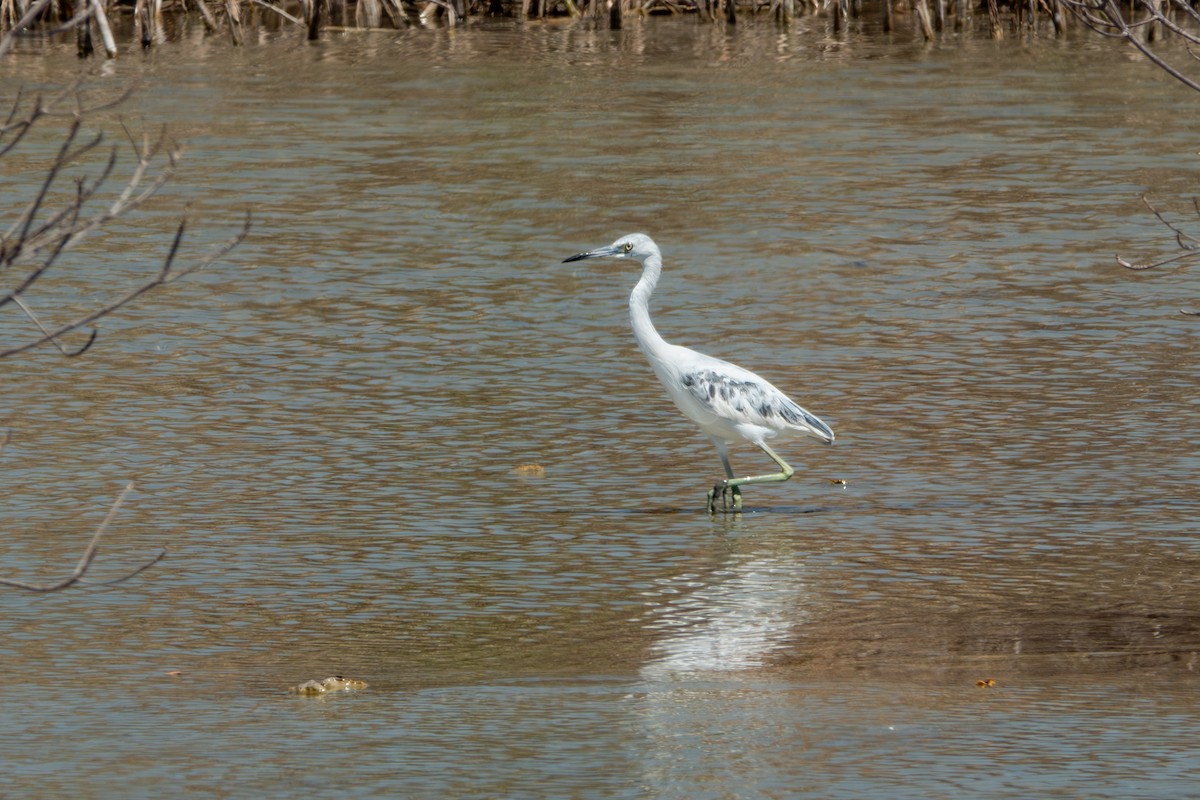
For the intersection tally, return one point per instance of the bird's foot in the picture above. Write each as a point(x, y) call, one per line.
point(730, 497)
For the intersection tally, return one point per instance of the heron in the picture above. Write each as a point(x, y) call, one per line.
point(729, 403)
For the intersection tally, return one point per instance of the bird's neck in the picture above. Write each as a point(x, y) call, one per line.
point(639, 310)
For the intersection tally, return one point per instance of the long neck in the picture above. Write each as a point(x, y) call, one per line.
point(639, 309)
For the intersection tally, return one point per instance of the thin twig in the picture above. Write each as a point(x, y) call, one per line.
point(1111, 22)
point(165, 276)
point(52, 232)
point(68, 353)
point(1138, 267)
point(41, 234)
point(89, 555)
point(35, 10)
point(110, 44)
point(1188, 243)
point(280, 12)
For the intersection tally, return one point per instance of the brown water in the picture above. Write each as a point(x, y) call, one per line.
point(915, 242)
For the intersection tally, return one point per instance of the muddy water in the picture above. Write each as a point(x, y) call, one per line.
point(326, 428)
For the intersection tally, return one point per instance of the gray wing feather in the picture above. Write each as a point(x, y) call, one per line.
point(748, 398)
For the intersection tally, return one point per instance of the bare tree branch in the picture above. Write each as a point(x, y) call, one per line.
point(165, 276)
point(279, 11)
point(54, 221)
point(33, 12)
point(1188, 243)
point(1107, 18)
point(89, 555)
point(47, 334)
point(59, 216)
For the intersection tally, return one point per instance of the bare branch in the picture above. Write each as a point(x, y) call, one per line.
point(1186, 7)
point(1138, 267)
point(165, 276)
point(73, 92)
point(1188, 243)
point(89, 555)
point(54, 222)
point(35, 10)
point(1160, 62)
point(280, 12)
point(82, 15)
point(68, 353)
point(45, 107)
point(1106, 18)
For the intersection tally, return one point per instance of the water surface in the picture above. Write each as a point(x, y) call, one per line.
point(326, 427)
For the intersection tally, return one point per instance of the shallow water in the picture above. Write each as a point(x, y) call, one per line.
point(326, 427)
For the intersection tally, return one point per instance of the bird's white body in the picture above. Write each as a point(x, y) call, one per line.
point(729, 403)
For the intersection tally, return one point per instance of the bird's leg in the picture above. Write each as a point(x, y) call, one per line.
point(785, 470)
point(724, 488)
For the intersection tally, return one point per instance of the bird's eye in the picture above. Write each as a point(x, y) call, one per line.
point(627, 247)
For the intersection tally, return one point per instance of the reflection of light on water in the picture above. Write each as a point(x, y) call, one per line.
point(705, 720)
point(731, 620)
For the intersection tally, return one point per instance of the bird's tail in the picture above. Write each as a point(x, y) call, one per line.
point(812, 425)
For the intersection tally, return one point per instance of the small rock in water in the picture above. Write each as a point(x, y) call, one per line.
point(334, 683)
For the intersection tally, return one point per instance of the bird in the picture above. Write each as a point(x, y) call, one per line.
point(729, 403)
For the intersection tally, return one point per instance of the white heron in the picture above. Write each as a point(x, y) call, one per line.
point(730, 404)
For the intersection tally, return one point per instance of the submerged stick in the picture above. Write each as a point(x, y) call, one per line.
point(235, 20)
point(314, 21)
point(83, 41)
point(367, 13)
point(110, 45)
point(210, 22)
point(923, 18)
point(994, 14)
point(141, 12)
point(31, 14)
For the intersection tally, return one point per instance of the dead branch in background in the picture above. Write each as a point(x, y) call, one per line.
point(58, 218)
point(311, 16)
point(1189, 244)
point(62, 212)
point(89, 555)
point(1141, 23)
point(31, 15)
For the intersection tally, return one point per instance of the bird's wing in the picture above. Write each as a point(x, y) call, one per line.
point(738, 395)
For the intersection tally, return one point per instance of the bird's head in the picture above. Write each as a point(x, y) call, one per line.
point(636, 245)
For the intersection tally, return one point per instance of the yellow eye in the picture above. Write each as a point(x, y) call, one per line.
point(627, 247)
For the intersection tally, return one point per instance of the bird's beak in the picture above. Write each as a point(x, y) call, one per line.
point(599, 252)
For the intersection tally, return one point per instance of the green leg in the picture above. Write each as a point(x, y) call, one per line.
point(785, 470)
point(727, 490)
point(730, 485)
point(731, 497)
